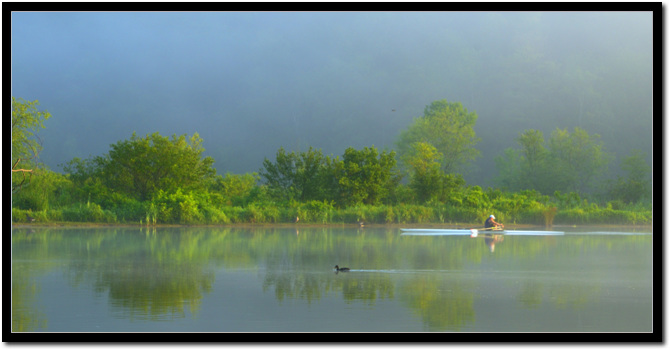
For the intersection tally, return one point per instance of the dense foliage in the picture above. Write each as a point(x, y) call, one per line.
point(449, 128)
point(167, 180)
point(570, 162)
point(140, 167)
point(26, 120)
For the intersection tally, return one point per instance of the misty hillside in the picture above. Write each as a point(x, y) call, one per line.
point(250, 83)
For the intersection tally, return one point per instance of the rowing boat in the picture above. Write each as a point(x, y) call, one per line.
point(474, 232)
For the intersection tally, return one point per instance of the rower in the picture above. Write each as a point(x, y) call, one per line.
point(491, 224)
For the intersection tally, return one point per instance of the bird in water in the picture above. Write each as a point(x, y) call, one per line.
point(337, 268)
point(296, 219)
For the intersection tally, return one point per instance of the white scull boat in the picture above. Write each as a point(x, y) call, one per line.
point(474, 232)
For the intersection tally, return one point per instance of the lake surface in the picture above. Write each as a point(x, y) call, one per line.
point(231, 279)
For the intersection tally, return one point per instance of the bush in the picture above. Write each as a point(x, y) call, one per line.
point(126, 209)
point(234, 214)
point(89, 212)
point(53, 215)
point(214, 216)
point(599, 216)
point(21, 215)
point(176, 207)
point(414, 214)
point(319, 211)
point(253, 214)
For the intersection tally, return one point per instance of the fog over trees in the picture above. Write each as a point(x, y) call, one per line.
point(251, 83)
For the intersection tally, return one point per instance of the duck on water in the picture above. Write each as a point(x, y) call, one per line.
point(337, 268)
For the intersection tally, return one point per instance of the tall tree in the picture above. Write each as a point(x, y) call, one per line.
point(576, 158)
point(425, 171)
point(294, 176)
point(637, 183)
point(533, 159)
point(448, 127)
point(566, 162)
point(141, 166)
point(234, 188)
point(509, 170)
point(26, 120)
point(279, 175)
point(364, 176)
point(569, 162)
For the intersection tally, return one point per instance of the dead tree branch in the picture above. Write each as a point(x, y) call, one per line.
point(23, 171)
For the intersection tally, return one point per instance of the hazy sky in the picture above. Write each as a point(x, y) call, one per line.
point(250, 83)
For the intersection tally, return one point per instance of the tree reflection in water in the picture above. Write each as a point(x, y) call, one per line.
point(166, 273)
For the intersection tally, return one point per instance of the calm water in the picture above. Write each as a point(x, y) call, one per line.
point(282, 280)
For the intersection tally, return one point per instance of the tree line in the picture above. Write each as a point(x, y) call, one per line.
point(159, 179)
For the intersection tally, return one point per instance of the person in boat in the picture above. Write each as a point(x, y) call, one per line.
point(491, 224)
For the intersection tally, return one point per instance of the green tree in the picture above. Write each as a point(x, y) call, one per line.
point(425, 171)
point(448, 127)
point(86, 175)
point(141, 166)
point(509, 170)
point(294, 176)
point(47, 190)
point(637, 184)
point(427, 180)
point(533, 162)
point(570, 162)
point(235, 188)
point(309, 174)
point(532, 148)
point(26, 120)
point(365, 176)
point(576, 159)
point(279, 175)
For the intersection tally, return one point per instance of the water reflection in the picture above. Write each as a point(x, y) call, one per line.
point(27, 314)
point(169, 274)
point(491, 240)
point(530, 294)
point(443, 304)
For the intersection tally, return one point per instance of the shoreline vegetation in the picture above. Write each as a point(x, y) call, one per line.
point(159, 180)
point(83, 225)
point(319, 214)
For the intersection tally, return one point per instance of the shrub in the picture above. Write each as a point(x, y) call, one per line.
point(318, 211)
point(89, 212)
point(176, 207)
point(253, 214)
point(20, 215)
point(52, 215)
point(234, 214)
point(125, 208)
point(214, 216)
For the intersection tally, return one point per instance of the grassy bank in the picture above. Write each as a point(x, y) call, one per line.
point(319, 213)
